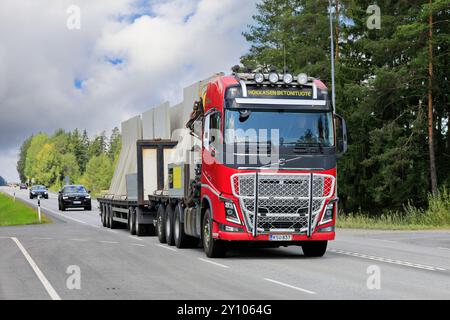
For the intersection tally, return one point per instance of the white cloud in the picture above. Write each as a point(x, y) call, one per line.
point(157, 48)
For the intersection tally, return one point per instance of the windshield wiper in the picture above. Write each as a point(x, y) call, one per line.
point(306, 147)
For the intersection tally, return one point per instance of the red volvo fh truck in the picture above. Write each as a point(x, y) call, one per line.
point(254, 163)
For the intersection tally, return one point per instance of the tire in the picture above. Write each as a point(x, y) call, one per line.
point(131, 225)
point(103, 213)
point(169, 225)
point(314, 248)
point(89, 208)
point(112, 224)
point(107, 221)
point(182, 240)
point(161, 223)
point(31, 197)
point(62, 208)
point(213, 248)
point(141, 229)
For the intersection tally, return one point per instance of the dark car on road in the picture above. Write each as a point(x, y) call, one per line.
point(23, 186)
point(38, 190)
point(74, 196)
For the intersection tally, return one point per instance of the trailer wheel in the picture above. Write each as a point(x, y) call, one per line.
point(141, 229)
point(314, 248)
point(169, 225)
point(161, 223)
point(213, 248)
point(182, 240)
point(131, 218)
point(103, 213)
point(107, 221)
point(112, 223)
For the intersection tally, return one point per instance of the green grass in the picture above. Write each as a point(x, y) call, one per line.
point(436, 216)
point(17, 213)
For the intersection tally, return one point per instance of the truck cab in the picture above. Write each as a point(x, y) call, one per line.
point(268, 172)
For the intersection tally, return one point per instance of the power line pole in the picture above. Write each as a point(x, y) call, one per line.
point(433, 175)
point(333, 93)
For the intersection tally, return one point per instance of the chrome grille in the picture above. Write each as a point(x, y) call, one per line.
point(283, 200)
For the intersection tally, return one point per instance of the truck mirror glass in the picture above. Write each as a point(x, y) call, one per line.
point(341, 136)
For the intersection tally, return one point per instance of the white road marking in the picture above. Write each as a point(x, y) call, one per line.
point(290, 286)
point(214, 263)
point(166, 247)
point(41, 238)
point(81, 240)
point(50, 290)
point(112, 231)
point(387, 260)
point(443, 248)
point(138, 245)
point(135, 238)
point(110, 242)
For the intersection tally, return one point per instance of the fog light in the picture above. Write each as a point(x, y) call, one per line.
point(259, 78)
point(288, 78)
point(273, 77)
point(226, 228)
point(327, 229)
point(302, 78)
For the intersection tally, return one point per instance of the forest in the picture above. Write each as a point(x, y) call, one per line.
point(391, 87)
point(48, 160)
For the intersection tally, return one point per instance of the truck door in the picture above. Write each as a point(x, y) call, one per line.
point(211, 147)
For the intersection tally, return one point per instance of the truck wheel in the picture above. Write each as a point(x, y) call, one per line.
point(161, 224)
point(213, 248)
point(314, 248)
point(182, 240)
point(169, 225)
point(131, 225)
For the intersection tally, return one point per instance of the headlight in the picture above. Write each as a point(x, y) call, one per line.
point(259, 77)
point(288, 78)
point(328, 214)
point(231, 213)
point(65, 197)
point(88, 196)
point(302, 78)
point(45, 192)
point(273, 77)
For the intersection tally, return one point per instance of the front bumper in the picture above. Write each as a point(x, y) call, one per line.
point(77, 203)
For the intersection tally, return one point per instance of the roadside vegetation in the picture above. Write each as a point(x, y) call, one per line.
point(17, 213)
point(435, 216)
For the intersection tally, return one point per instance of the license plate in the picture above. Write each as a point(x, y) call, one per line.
point(77, 202)
point(280, 237)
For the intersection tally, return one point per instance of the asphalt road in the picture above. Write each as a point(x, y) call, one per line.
point(38, 262)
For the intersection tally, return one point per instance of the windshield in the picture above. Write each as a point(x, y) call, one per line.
point(75, 189)
point(279, 127)
point(38, 188)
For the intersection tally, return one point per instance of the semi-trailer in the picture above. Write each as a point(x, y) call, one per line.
point(244, 159)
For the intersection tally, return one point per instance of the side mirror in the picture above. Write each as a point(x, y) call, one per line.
point(341, 135)
point(89, 191)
